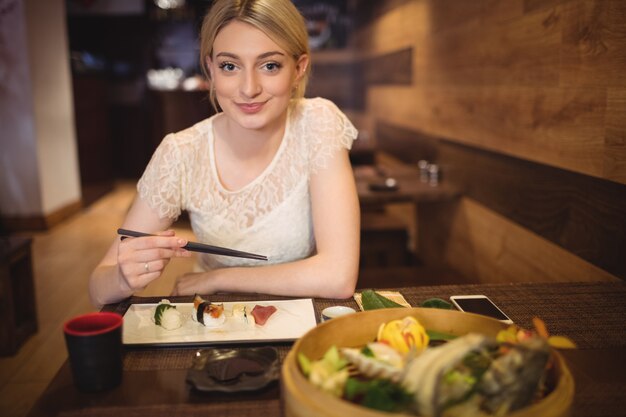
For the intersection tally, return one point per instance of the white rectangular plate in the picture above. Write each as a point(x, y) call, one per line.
point(291, 320)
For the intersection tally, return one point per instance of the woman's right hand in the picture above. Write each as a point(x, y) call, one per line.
point(141, 260)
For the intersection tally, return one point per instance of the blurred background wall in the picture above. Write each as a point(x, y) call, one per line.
point(39, 171)
point(522, 103)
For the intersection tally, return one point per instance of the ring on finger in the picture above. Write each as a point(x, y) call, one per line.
point(146, 267)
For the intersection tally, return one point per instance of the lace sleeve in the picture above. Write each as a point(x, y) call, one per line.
point(160, 185)
point(328, 130)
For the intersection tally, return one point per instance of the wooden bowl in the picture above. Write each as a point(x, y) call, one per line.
point(302, 399)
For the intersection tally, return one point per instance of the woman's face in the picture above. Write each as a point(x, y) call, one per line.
point(253, 76)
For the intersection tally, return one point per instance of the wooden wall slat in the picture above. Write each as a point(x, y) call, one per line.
point(560, 127)
point(584, 215)
point(445, 15)
point(393, 68)
point(345, 83)
point(519, 52)
point(401, 24)
point(340, 82)
point(615, 140)
point(533, 5)
point(406, 145)
point(367, 11)
point(593, 52)
point(486, 247)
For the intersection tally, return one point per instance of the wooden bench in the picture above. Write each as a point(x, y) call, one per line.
point(17, 294)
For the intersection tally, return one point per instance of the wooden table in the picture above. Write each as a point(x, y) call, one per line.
point(592, 314)
point(389, 237)
point(410, 187)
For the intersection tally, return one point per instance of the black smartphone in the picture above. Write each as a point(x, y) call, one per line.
point(479, 304)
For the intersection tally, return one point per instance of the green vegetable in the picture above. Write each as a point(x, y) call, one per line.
point(329, 373)
point(437, 303)
point(305, 364)
point(333, 358)
point(158, 313)
point(371, 300)
point(378, 394)
point(367, 352)
point(434, 335)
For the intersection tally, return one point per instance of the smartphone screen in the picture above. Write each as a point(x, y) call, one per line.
point(479, 305)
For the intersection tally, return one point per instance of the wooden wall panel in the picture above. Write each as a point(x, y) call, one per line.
point(594, 44)
point(582, 214)
point(395, 67)
point(369, 11)
point(532, 5)
point(518, 52)
point(446, 15)
point(340, 82)
point(408, 146)
point(487, 247)
point(534, 80)
point(345, 82)
point(559, 127)
point(615, 139)
point(399, 25)
point(542, 81)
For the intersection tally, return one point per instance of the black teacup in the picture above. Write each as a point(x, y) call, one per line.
point(94, 344)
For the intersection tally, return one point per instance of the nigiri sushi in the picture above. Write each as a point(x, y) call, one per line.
point(242, 314)
point(167, 316)
point(207, 313)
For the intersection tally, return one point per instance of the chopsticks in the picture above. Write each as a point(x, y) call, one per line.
point(200, 247)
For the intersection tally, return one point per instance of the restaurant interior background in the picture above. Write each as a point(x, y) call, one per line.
point(521, 103)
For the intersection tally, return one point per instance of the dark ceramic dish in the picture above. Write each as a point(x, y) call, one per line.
point(233, 370)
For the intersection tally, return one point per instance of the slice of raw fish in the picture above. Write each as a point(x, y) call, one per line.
point(262, 313)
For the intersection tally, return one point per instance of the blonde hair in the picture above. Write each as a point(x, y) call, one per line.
point(278, 19)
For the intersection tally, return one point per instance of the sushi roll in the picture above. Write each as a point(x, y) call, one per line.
point(167, 316)
point(207, 313)
point(242, 314)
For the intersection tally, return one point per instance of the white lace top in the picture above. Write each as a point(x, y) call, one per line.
point(269, 216)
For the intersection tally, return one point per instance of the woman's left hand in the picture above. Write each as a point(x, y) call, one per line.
point(193, 283)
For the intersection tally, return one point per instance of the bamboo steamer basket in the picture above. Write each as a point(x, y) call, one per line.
point(302, 399)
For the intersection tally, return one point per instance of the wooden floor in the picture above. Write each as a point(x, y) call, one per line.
point(62, 260)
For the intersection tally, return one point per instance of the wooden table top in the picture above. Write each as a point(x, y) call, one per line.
point(591, 314)
point(409, 186)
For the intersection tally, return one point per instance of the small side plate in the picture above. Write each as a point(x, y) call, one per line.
point(233, 370)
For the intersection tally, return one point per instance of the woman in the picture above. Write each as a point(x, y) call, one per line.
point(267, 174)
